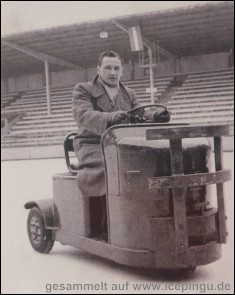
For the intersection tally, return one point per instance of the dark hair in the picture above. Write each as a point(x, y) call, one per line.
point(109, 53)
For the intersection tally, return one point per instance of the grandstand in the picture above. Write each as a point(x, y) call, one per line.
point(37, 128)
point(205, 97)
point(194, 72)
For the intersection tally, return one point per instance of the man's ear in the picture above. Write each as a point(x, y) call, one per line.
point(98, 69)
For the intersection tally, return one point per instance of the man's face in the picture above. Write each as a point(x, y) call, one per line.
point(110, 70)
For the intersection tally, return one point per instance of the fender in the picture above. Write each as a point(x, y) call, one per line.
point(46, 206)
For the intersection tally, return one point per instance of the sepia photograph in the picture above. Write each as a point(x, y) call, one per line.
point(117, 147)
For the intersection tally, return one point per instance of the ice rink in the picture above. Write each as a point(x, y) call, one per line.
point(26, 271)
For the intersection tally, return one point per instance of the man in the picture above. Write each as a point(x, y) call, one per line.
point(98, 105)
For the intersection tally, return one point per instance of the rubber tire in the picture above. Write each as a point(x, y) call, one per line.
point(42, 241)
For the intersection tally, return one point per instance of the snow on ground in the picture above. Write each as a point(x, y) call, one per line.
point(26, 271)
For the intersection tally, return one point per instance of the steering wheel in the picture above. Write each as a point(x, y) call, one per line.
point(137, 114)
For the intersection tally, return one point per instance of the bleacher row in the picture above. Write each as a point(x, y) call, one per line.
point(203, 98)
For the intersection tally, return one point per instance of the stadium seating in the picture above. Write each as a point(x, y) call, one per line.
point(206, 98)
point(140, 85)
point(203, 98)
point(38, 128)
point(6, 98)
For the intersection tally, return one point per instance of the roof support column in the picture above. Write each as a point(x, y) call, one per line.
point(150, 53)
point(47, 75)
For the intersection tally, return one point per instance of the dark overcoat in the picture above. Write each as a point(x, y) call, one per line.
point(92, 110)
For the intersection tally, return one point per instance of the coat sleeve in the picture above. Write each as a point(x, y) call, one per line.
point(84, 113)
point(134, 100)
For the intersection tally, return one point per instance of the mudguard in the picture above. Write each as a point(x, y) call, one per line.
point(47, 208)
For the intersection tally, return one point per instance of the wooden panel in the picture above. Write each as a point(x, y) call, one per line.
point(176, 156)
point(220, 189)
point(67, 78)
point(189, 180)
point(179, 205)
point(4, 86)
point(26, 82)
point(186, 132)
point(206, 62)
point(163, 244)
point(203, 225)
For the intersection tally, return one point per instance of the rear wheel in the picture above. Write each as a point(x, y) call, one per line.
point(40, 237)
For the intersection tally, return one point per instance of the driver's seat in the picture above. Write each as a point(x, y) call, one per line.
point(68, 147)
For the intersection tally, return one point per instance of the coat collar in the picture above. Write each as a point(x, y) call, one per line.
point(100, 95)
point(102, 99)
point(98, 89)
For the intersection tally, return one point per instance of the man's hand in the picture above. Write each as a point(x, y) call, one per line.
point(118, 116)
point(162, 117)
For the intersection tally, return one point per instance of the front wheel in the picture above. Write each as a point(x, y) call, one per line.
point(40, 237)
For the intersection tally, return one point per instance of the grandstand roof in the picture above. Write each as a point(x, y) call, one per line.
point(200, 29)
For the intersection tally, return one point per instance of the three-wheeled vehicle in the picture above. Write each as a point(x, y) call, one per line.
point(159, 208)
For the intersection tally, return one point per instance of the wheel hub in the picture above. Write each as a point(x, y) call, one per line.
point(35, 230)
